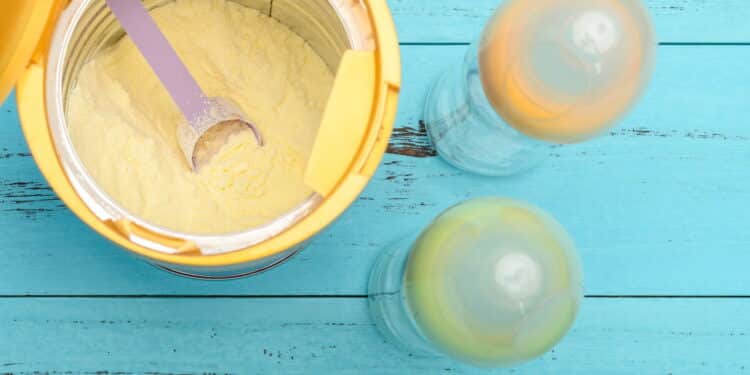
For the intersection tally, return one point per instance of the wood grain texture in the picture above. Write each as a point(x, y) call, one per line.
point(317, 336)
point(657, 207)
point(667, 190)
point(420, 21)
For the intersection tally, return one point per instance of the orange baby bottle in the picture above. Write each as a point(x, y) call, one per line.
point(544, 72)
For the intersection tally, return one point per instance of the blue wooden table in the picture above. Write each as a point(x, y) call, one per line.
point(659, 209)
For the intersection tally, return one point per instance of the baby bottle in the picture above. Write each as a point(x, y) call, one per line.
point(544, 72)
point(490, 282)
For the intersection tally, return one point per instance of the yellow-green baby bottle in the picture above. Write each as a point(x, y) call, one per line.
point(491, 282)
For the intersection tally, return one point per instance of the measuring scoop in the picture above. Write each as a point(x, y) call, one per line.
point(209, 120)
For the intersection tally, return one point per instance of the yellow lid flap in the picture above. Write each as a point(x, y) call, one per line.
point(345, 122)
point(22, 23)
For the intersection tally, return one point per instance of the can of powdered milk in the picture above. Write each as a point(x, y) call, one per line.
point(356, 40)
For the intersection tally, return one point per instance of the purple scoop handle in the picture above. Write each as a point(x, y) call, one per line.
point(161, 56)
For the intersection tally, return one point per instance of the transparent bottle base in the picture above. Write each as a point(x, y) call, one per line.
point(387, 303)
point(467, 132)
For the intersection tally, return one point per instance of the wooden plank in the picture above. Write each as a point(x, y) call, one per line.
point(314, 336)
point(420, 21)
point(656, 207)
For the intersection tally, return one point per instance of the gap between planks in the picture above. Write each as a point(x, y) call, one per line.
point(320, 296)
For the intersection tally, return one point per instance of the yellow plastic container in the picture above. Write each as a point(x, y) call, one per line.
point(43, 43)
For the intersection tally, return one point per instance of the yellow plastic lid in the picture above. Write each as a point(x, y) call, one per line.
point(22, 24)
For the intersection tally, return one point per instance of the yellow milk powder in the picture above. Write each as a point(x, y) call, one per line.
point(123, 122)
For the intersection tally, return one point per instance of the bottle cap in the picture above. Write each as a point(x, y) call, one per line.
point(565, 70)
point(493, 282)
